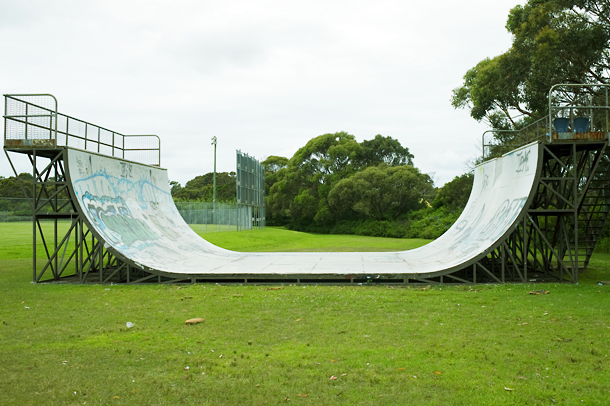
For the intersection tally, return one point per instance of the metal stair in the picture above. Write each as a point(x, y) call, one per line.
point(593, 211)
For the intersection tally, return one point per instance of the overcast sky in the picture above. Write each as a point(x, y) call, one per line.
point(262, 76)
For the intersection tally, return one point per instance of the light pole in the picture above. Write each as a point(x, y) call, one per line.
point(214, 190)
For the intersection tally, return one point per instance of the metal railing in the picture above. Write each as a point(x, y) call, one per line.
point(543, 129)
point(581, 100)
point(32, 121)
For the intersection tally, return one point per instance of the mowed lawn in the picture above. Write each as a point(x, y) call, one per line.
point(299, 345)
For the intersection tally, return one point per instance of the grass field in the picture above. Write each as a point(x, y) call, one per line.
point(318, 345)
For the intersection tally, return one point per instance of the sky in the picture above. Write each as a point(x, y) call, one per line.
point(262, 76)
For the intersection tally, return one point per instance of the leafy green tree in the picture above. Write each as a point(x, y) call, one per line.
point(386, 150)
point(201, 188)
point(455, 194)
point(299, 195)
point(174, 187)
point(326, 156)
point(303, 185)
point(12, 199)
point(381, 192)
point(554, 41)
point(448, 204)
point(272, 165)
point(10, 187)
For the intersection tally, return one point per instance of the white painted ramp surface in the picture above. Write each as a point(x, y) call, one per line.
point(130, 207)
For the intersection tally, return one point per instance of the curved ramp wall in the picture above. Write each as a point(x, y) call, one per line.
point(130, 208)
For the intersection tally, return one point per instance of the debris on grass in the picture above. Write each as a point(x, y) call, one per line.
point(539, 292)
point(129, 324)
point(276, 288)
point(195, 320)
point(507, 388)
point(304, 395)
point(603, 283)
point(333, 377)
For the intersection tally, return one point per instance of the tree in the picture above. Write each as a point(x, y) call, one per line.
point(386, 150)
point(455, 194)
point(381, 192)
point(300, 191)
point(554, 41)
point(12, 198)
point(303, 185)
point(174, 187)
point(447, 206)
point(200, 188)
point(10, 187)
point(272, 165)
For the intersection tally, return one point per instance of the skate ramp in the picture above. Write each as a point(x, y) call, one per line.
point(129, 206)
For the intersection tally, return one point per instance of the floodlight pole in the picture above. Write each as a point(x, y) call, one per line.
point(214, 192)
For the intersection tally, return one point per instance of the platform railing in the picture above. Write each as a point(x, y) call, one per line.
point(591, 101)
point(32, 121)
point(572, 101)
point(536, 131)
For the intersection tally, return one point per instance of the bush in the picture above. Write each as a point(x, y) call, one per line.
point(381, 228)
point(603, 245)
point(431, 223)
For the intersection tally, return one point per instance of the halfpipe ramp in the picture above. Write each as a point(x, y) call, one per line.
point(129, 207)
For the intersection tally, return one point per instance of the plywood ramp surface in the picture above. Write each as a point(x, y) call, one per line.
point(130, 208)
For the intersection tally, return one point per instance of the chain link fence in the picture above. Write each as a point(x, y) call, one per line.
point(218, 217)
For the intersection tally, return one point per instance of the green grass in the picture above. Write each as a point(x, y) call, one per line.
point(278, 239)
point(445, 345)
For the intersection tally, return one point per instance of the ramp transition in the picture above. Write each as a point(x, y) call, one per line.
point(128, 206)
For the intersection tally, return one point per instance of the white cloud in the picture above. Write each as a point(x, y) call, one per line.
point(262, 76)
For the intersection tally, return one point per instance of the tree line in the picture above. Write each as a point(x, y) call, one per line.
point(201, 188)
point(335, 184)
point(14, 203)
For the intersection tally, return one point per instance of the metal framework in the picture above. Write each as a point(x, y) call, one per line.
point(552, 241)
point(557, 234)
point(564, 222)
point(34, 127)
point(250, 185)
